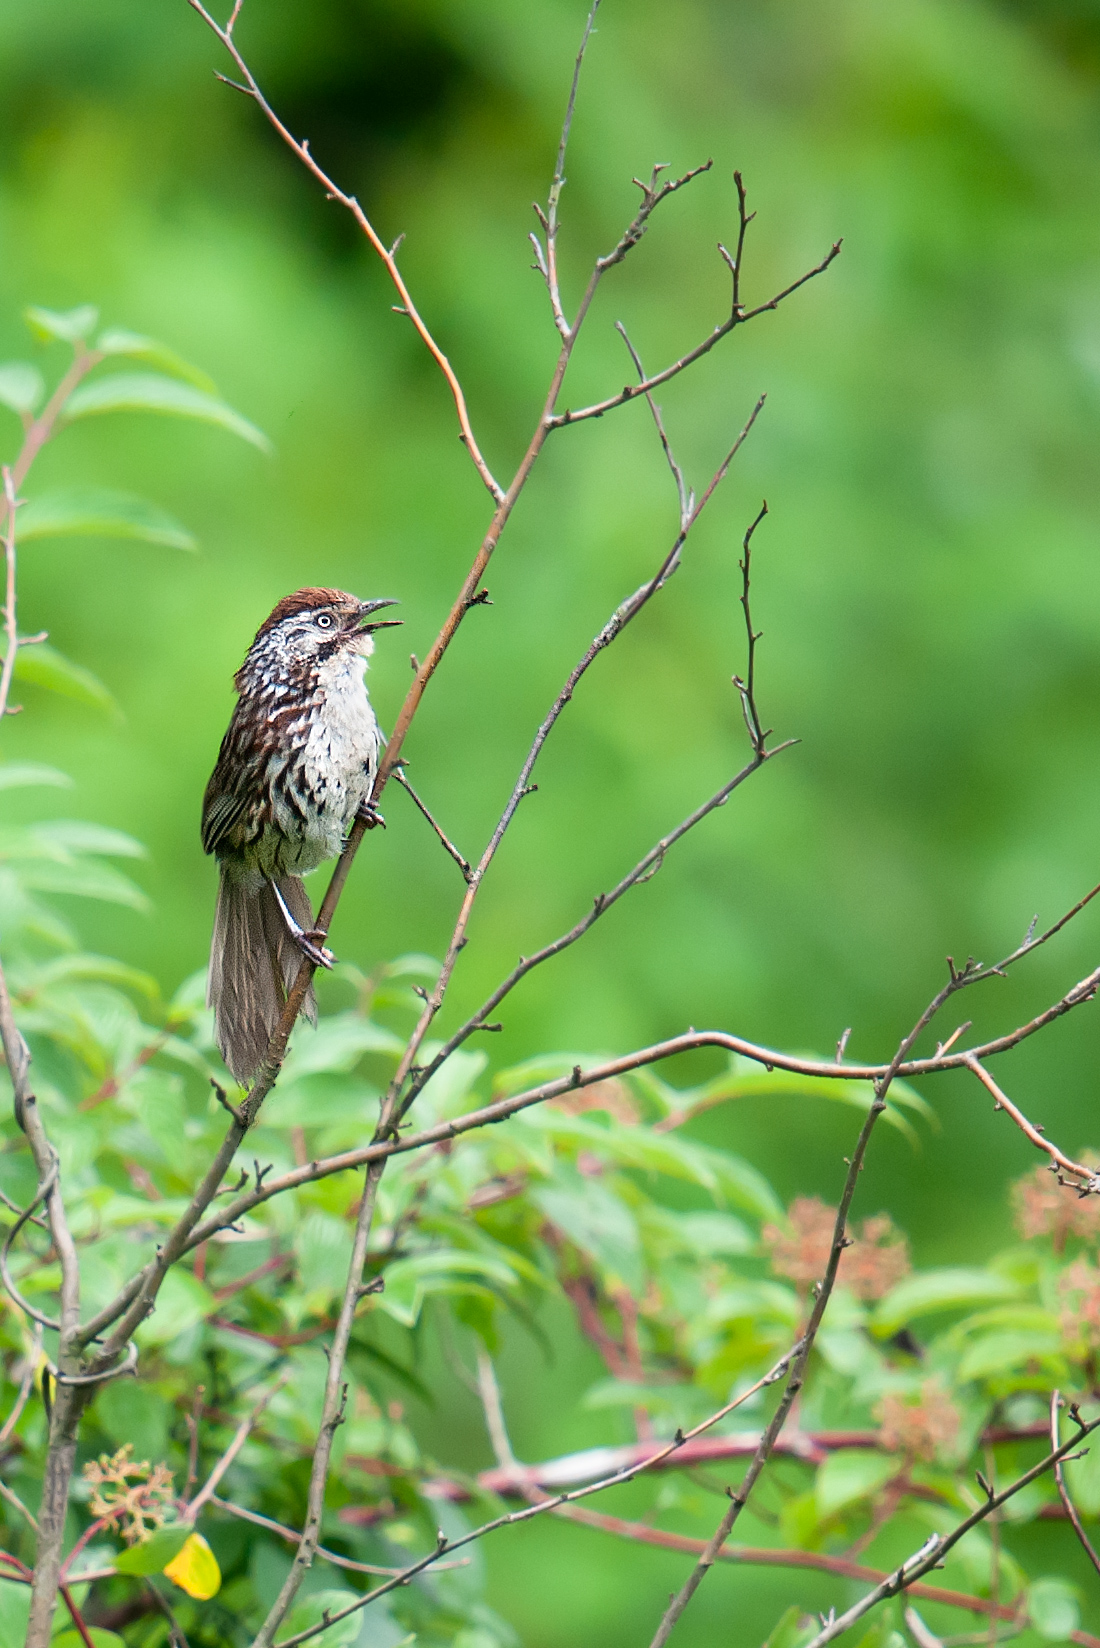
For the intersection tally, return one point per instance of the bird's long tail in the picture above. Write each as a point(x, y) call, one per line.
point(253, 964)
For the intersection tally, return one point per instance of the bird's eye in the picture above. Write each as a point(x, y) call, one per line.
point(324, 621)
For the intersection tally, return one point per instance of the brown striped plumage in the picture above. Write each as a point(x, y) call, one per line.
point(296, 764)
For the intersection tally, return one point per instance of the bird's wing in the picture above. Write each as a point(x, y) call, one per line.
point(220, 813)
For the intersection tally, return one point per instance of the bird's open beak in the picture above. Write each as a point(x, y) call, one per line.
point(365, 610)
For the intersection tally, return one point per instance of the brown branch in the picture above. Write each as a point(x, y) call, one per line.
point(1088, 1176)
point(191, 1511)
point(70, 1398)
point(293, 1537)
point(691, 1041)
point(620, 618)
point(738, 316)
point(43, 427)
point(11, 628)
point(387, 254)
point(510, 1519)
point(822, 1294)
point(26, 1385)
point(755, 1556)
point(332, 1413)
point(1063, 1492)
point(448, 845)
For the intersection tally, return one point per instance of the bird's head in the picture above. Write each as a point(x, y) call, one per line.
point(316, 624)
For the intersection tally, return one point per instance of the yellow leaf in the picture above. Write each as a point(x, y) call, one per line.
point(195, 1569)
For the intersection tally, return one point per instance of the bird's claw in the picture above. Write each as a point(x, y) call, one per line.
point(312, 946)
point(371, 817)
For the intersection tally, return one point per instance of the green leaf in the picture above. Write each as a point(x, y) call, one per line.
point(789, 1631)
point(93, 512)
point(101, 969)
point(84, 880)
point(116, 340)
point(725, 1176)
point(15, 1604)
point(849, 1475)
point(597, 1222)
point(147, 392)
point(408, 1281)
point(74, 835)
point(323, 1246)
point(312, 1610)
point(100, 1639)
point(936, 1290)
point(1083, 1476)
point(156, 1553)
point(17, 775)
point(1053, 1609)
point(42, 666)
point(182, 1302)
point(21, 386)
point(711, 1235)
point(338, 1043)
point(998, 1352)
point(70, 325)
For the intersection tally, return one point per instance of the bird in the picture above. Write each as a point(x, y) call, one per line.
point(296, 766)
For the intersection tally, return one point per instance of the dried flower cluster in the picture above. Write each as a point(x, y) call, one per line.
point(129, 1495)
point(1043, 1207)
point(926, 1428)
point(873, 1263)
point(1079, 1297)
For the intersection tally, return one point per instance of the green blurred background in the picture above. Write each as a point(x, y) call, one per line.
point(927, 580)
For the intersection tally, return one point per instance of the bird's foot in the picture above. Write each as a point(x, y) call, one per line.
point(312, 945)
point(371, 817)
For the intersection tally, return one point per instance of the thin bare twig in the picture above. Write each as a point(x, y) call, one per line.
point(17, 1504)
point(386, 253)
point(620, 618)
point(448, 845)
point(1088, 1177)
point(247, 1424)
point(11, 628)
point(1063, 1492)
point(493, 1409)
point(686, 497)
point(26, 1385)
point(293, 1537)
point(738, 315)
point(550, 219)
point(747, 687)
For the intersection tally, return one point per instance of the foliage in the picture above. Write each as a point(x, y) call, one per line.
point(934, 1301)
point(684, 1271)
